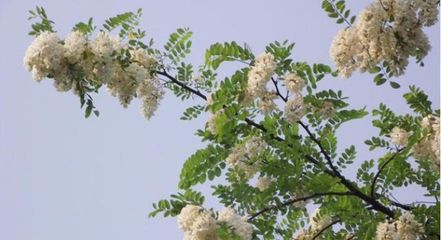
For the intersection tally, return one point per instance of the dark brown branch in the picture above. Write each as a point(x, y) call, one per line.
point(175, 81)
point(322, 150)
point(292, 201)
point(354, 190)
point(335, 173)
point(374, 181)
point(324, 229)
point(276, 85)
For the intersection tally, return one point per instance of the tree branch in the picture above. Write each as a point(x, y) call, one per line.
point(292, 201)
point(276, 85)
point(374, 181)
point(324, 229)
point(175, 81)
point(354, 190)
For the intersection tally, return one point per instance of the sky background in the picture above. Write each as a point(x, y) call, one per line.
point(66, 177)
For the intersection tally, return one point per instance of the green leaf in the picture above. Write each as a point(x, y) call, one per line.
point(418, 101)
point(196, 168)
point(218, 53)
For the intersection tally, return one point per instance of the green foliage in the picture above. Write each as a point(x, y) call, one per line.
point(45, 24)
point(383, 74)
point(218, 53)
point(387, 119)
point(418, 101)
point(205, 163)
point(300, 162)
point(173, 206)
point(225, 232)
point(192, 112)
point(178, 45)
point(127, 22)
point(347, 157)
point(311, 75)
point(185, 72)
point(377, 142)
point(85, 28)
point(337, 10)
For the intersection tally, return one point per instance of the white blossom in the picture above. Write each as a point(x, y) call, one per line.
point(294, 109)
point(386, 231)
point(263, 183)
point(239, 223)
point(266, 102)
point(260, 74)
point(212, 121)
point(44, 55)
point(387, 30)
point(150, 93)
point(399, 136)
point(408, 227)
point(105, 45)
point(75, 44)
point(141, 56)
point(405, 228)
point(95, 62)
point(343, 50)
point(429, 146)
point(294, 83)
point(197, 223)
point(245, 156)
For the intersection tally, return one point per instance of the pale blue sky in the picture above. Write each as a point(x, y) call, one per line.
point(65, 177)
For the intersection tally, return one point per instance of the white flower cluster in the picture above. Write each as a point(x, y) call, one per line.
point(405, 228)
point(199, 224)
point(212, 121)
point(96, 62)
point(387, 30)
point(399, 136)
point(258, 77)
point(294, 108)
point(294, 83)
point(429, 146)
point(241, 227)
point(245, 156)
point(263, 183)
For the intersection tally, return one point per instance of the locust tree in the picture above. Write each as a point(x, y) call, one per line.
point(272, 134)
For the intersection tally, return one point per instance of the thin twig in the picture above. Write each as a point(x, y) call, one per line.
point(292, 201)
point(374, 181)
point(324, 229)
point(276, 85)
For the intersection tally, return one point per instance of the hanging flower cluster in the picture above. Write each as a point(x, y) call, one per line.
point(78, 62)
point(406, 228)
point(258, 77)
point(429, 146)
point(264, 183)
point(241, 227)
point(294, 107)
point(199, 224)
point(387, 30)
point(399, 136)
point(245, 156)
